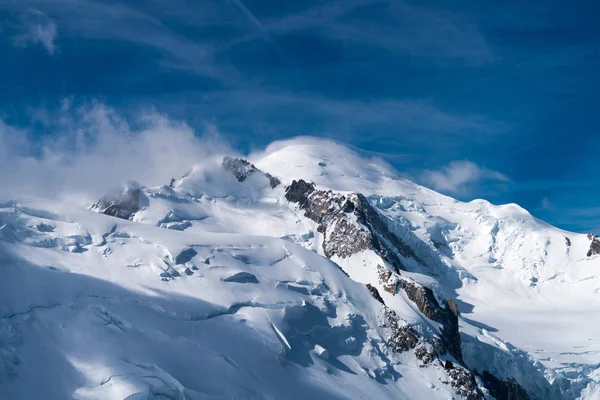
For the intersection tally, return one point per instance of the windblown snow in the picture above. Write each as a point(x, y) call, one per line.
point(217, 286)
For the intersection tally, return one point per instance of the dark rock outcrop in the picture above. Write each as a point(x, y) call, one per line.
point(403, 337)
point(121, 205)
point(503, 390)
point(375, 293)
point(349, 224)
point(242, 169)
point(594, 245)
point(426, 302)
point(463, 382)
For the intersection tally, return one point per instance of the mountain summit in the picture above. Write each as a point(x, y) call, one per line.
point(305, 270)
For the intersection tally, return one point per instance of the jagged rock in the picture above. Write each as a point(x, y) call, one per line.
point(389, 281)
point(402, 337)
point(386, 244)
point(239, 167)
point(425, 353)
point(242, 169)
point(375, 293)
point(594, 245)
point(121, 205)
point(343, 236)
point(273, 181)
point(299, 192)
point(504, 390)
point(349, 224)
point(426, 302)
point(464, 383)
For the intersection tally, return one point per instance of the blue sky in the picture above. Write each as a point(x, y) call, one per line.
point(492, 99)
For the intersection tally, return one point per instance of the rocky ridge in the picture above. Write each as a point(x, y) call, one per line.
point(122, 204)
point(242, 169)
point(594, 245)
point(350, 225)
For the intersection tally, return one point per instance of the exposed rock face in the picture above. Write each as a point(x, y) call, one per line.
point(403, 337)
point(375, 293)
point(505, 390)
point(334, 212)
point(349, 223)
point(242, 169)
point(594, 245)
point(122, 205)
point(426, 302)
point(299, 192)
point(463, 382)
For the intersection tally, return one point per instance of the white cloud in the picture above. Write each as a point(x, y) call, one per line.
point(38, 30)
point(95, 149)
point(461, 175)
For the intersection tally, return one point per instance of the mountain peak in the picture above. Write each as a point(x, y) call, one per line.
point(327, 163)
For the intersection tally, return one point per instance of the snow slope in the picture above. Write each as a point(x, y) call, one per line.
point(219, 287)
point(95, 307)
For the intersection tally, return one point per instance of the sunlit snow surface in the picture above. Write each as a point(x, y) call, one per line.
point(218, 289)
point(96, 308)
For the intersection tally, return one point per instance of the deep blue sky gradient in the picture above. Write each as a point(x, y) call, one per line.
point(511, 86)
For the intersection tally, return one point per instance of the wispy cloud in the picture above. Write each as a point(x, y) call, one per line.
point(458, 177)
point(408, 125)
point(546, 204)
point(98, 20)
point(38, 29)
point(95, 148)
point(384, 25)
point(254, 21)
point(389, 25)
point(418, 31)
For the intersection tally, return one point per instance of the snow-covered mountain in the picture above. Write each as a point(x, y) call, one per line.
point(304, 270)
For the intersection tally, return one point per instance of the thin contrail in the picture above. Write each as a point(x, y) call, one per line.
point(253, 20)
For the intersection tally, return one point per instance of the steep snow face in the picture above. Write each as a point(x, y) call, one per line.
point(97, 307)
